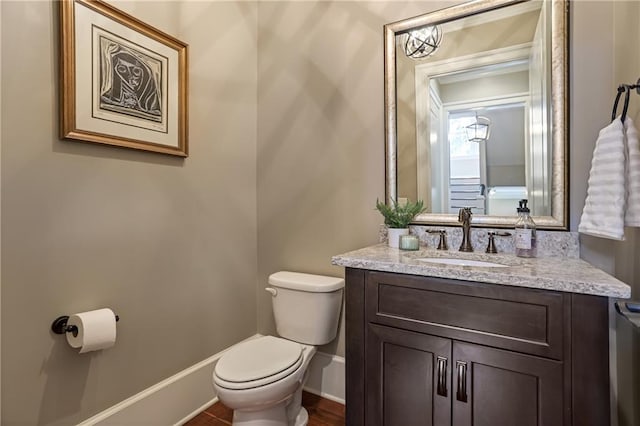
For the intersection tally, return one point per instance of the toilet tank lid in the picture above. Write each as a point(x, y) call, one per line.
point(306, 282)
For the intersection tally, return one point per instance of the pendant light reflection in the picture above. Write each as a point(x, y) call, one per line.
point(422, 42)
point(479, 131)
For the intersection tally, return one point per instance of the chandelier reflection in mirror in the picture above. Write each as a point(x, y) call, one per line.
point(479, 131)
point(422, 42)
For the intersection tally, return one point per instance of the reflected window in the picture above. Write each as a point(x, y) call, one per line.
point(464, 156)
point(466, 174)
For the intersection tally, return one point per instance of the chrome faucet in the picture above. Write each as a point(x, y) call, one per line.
point(464, 217)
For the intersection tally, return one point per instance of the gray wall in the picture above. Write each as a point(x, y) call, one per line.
point(320, 134)
point(627, 70)
point(505, 148)
point(627, 267)
point(601, 59)
point(320, 131)
point(169, 244)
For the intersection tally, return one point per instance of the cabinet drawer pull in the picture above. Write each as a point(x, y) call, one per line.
point(461, 393)
point(442, 376)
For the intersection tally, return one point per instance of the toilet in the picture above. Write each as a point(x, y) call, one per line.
point(261, 379)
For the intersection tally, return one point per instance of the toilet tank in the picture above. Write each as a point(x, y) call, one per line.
point(306, 307)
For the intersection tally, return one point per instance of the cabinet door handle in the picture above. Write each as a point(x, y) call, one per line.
point(461, 393)
point(442, 376)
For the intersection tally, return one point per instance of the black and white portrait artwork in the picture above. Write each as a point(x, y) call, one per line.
point(130, 81)
point(125, 82)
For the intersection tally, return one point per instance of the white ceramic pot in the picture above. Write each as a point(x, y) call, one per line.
point(393, 236)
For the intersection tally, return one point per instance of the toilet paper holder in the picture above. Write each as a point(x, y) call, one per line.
point(59, 325)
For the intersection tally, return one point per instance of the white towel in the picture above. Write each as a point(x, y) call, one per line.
point(604, 209)
point(632, 215)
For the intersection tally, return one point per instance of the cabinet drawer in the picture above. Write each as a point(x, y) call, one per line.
point(523, 320)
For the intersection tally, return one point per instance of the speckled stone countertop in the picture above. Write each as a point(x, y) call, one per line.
point(549, 273)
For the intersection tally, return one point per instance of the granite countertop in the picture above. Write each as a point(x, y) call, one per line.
point(549, 273)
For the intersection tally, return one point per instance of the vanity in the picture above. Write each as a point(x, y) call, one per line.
point(448, 338)
point(522, 343)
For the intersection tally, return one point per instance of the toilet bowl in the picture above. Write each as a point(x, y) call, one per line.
point(268, 391)
point(262, 379)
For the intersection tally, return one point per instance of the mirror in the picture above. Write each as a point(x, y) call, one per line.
point(476, 117)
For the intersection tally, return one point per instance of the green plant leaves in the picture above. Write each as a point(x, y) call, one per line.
point(399, 216)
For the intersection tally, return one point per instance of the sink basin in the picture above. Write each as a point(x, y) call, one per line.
point(461, 262)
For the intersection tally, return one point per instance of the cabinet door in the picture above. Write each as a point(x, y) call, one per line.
point(494, 387)
point(408, 378)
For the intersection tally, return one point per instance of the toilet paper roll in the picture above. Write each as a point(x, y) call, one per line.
point(96, 330)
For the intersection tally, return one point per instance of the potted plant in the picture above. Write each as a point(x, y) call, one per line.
point(397, 217)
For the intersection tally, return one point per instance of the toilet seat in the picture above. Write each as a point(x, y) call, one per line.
point(258, 362)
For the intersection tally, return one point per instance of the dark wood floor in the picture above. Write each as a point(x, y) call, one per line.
point(322, 412)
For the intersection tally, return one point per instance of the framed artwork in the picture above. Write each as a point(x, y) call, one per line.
point(122, 82)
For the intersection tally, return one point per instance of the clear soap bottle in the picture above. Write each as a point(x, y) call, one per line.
point(525, 234)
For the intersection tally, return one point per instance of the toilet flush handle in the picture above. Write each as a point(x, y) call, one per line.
point(272, 290)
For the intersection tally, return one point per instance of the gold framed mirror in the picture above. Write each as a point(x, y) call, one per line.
point(476, 110)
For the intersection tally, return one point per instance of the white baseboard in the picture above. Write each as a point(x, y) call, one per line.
point(182, 396)
point(326, 377)
point(173, 401)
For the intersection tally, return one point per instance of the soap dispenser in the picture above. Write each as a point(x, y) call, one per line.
point(525, 234)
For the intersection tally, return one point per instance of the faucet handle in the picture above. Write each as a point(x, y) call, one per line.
point(491, 247)
point(442, 244)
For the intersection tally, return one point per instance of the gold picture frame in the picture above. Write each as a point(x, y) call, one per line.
point(123, 82)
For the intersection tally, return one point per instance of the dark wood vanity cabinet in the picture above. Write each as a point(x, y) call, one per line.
point(419, 379)
point(431, 351)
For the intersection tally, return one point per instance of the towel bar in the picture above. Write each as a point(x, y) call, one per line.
point(627, 89)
